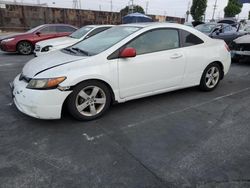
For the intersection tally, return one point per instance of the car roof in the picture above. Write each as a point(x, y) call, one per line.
point(58, 24)
point(216, 24)
point(96, 26)
point(150, 24)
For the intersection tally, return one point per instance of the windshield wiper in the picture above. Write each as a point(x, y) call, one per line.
point(81, 51)
point(69, 50)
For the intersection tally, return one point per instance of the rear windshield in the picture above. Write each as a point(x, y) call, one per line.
point(81, 32)
point(206, 28)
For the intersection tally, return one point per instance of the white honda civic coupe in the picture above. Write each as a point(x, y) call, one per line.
point(120, 64)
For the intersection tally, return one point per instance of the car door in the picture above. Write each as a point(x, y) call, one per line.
point(227, 33)
point(64, 30)
point(159, 64)
point(45, 33)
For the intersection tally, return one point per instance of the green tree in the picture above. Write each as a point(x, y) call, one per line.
point(127, 10)
point(233, 8)
point(198, 9)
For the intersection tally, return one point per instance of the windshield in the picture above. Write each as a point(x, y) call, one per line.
point(104, 40)
point(34, 29)
point(81, 32)
point(206, 28)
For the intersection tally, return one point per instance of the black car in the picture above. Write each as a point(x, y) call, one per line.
point(226, 32)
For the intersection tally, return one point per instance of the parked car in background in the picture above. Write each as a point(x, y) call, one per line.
point(46, 46)
point(188, 24)
point(247, 29)
point(120, 64)
point(240, 48)
point(222, 31)
point(24, 43)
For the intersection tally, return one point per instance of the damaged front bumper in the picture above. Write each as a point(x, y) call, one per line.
point(240, 49)
point(42, 104)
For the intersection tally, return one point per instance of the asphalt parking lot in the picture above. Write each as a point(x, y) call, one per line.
point(185, 138)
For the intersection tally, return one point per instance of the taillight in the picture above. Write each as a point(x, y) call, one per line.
point(226, 46)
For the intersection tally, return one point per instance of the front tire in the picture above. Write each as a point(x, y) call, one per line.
point(211, 77)
point(24, 48)
point(89, 100)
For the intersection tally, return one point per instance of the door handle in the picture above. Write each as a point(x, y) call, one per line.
point(176, 56)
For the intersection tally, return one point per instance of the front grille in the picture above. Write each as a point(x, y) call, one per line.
point(240, 47)
point(24, 78)
point(37, 48)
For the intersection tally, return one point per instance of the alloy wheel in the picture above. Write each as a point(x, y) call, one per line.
point(212, 77)
point(25, 48)
point(90, 101)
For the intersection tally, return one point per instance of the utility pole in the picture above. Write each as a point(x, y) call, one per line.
point(111, 5)
point(80, 4)
point(188, 11)
point(132, 6)
point(76, 4)
point(147, 3)
point(215, 6)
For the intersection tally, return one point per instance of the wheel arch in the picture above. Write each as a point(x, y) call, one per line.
point(25, 40)
point(221, 66)
point(113, 100)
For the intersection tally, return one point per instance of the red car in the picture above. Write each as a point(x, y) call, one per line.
point(24, 43)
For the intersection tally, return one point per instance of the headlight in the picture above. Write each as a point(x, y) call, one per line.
point(8, 40)
point(47, 48)
point(45, 83)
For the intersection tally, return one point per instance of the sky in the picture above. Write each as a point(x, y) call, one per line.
point(156, 7)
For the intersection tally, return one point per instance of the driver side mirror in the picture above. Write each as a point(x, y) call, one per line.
point(38, 33)
point(127, 53)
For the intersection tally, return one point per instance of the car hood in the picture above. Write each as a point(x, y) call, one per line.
point(243, 39)
point(12, 35)
point(57, 41)
point(43, 63)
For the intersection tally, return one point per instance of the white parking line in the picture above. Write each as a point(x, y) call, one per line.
point(184, 109)
point(9, 104)
point(9, 64)
point(129, 126)
point(91, 138)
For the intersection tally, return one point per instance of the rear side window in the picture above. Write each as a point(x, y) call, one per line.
point(62, 29)
point(155, 41)
point(48, 29)
point(96, 31)
point(189, 39)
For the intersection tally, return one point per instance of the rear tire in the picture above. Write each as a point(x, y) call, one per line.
point(25, 48)
point(89, 100)
point(211, 77)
